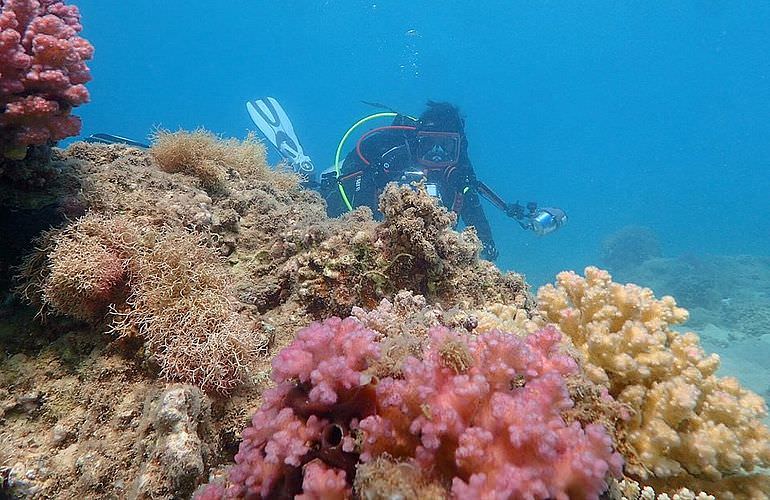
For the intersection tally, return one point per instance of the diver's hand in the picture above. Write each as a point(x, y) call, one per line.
point(514, 210)
point(489, 252)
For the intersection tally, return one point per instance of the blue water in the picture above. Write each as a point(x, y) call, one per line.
point(649, 113)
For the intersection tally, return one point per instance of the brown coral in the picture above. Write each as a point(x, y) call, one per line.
point(165, 285)
point(414, 248)
point(211, 159)
point(385, 478)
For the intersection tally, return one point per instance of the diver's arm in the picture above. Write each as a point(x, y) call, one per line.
point(539, 220)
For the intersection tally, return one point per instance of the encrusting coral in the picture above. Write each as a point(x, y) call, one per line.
point(687, 424)
point(478, 415)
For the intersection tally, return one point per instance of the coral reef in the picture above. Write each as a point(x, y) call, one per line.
point(42, 72)
point(204, 266)
point(259, 235)
point(165, 286)
point(203, 155)
point(477, 415)
point(686, 422)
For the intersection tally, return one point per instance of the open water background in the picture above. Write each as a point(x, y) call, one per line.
point(645, 113)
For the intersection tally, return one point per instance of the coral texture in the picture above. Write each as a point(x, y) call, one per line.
point(42, 71)
point(628, 489)
point(686, 421)
point(321, 389)
point(414, 248)
point(478, 414)
point(79, 417)
point(165, 286)
point(484, 413)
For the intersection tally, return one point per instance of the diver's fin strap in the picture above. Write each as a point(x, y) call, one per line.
point(268, 115)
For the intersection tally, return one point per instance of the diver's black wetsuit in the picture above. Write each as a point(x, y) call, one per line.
point(390, 159)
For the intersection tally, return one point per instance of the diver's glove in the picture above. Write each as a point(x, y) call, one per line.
point(518, 211)
point(489, 252)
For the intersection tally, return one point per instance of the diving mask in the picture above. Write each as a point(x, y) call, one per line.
point(438, 149)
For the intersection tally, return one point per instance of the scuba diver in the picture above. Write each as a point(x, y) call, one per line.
point(431, 149)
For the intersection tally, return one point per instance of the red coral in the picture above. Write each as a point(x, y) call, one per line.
point(42, 71)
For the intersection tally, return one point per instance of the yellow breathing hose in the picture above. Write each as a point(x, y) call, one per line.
point(342, 143)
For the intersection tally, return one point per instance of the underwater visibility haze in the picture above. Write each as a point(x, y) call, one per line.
point(185, 319)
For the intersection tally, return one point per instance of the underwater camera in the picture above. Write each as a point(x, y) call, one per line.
point(548, 220)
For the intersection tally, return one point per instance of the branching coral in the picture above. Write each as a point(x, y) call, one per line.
point(514, 318)
point(686, 421)
point(321, 389)
point(164, 285)
point(492, 424)
point(628, 489)
point(42, 72)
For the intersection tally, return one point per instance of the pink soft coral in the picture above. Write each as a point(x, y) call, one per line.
point(295, 441)
point(480, 414)
point(495, 428)
point(42, 71)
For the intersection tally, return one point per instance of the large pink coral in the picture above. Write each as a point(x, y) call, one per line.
point(480, 414)
point(42, 71)
point(485, 412)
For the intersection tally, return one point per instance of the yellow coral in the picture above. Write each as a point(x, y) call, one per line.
point(687, 422)
point(628, 489)
point(506, 317)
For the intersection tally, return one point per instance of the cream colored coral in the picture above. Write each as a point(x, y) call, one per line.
point(687, 422)
point(506, 317)
point(628, 489)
